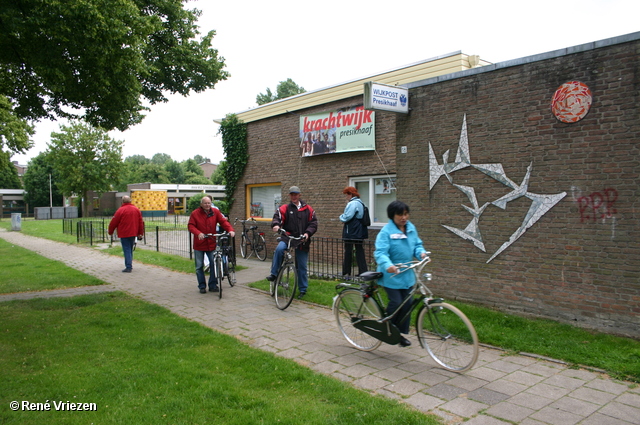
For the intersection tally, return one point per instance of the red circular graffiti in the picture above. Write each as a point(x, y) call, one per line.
point(571, 102)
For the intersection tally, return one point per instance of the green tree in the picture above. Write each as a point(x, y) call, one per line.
point(218, 176)
point(175, 172)
point(199, 159)
point(8, 174)
point(285, 89)
point(160, 158)
point(15, 133)
point(102, 61)
point(37, 179)
point(86, 158)
point(191, 166)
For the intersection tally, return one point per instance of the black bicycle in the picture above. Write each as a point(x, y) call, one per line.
point(443, 330)
point(252, 241)
point(284, 287)
point(223, 260)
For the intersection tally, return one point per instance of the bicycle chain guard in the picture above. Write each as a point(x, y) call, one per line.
point(385, 332)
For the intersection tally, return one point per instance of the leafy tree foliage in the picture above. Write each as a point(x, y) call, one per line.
point(199, 159)
point(191, 166)
point(86, 158)
point(161, 158)
point(36, 183)
point(8, 174)
point(218, 176)
point(175, 172)
point(15, 133)
point(100, 61)
point(285, 89)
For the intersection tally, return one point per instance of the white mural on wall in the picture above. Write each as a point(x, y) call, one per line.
point(539, 206)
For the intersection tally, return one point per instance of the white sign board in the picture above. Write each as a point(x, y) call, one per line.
point(382, 97)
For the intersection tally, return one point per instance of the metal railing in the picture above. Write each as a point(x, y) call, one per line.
point(172, 237)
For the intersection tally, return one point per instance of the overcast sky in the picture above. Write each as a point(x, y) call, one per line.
point(328, 42)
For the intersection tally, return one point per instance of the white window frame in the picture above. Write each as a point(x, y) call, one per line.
point(371, 199)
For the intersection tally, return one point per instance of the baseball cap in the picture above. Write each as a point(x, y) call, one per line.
point(294, 189)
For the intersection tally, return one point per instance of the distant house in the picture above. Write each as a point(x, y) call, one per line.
point(208, 168)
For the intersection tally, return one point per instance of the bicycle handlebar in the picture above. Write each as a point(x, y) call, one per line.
point(284, 233)
point(216, 235)
point(419, 264)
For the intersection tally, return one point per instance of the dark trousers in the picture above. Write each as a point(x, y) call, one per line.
point(396, 296)
point(348, 256)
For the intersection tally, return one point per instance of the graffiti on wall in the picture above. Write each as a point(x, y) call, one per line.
point(540, 204)
point(598, 205)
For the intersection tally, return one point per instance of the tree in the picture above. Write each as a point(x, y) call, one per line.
point(285, 89)
point(37, 180)
point(199, 159)
point(8, 174)
point(160, 158)
point(15, 133)
point(218, 176)
point(100, 61)
point(175, 171)
point(86, 158)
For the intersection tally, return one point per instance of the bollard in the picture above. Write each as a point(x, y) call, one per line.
point(16, 221)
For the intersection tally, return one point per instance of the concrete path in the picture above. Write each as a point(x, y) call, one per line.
point(501, 389)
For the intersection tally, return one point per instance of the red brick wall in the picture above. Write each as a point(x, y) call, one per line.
point(569, 265)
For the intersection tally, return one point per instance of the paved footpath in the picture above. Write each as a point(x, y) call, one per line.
point(501, 389)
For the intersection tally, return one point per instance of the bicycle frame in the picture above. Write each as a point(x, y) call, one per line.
point(383, 329)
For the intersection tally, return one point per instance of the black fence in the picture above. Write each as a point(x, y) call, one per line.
point(171, 236)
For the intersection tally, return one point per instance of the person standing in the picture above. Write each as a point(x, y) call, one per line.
point(353, 231)
point(398, 242)
point(128, 221)
point(202, 221)
point(297, 218)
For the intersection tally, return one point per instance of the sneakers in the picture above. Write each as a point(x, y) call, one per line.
point(127, 270)
point(404, 342)
point(203, 291)
point(271, 277)
point(301, 295)
point(214, 290)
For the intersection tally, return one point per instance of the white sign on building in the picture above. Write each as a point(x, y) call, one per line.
point(382, 97)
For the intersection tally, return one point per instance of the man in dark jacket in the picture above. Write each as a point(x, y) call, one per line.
point(298, 219)
point(204, 220)
point(128, 221)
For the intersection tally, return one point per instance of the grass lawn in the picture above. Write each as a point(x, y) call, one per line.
point(141, 364)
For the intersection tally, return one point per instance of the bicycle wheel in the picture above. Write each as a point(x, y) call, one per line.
point(448, 335)
point(229, 270)
point(245, 246)
point(260, 248)
point(218, 269)
point(349, 307)
point(285, 285)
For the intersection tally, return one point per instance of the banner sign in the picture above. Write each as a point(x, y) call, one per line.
point(386, 98)
point(337, 131)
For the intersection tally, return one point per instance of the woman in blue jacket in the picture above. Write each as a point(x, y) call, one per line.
point(398, 242)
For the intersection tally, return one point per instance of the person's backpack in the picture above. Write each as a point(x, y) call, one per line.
point(366, 219)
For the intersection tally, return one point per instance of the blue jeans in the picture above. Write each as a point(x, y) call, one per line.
point(127, 249)
point(302, 257)
point(199, 256)
point(396, 296)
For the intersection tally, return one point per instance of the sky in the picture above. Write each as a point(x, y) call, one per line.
point(325, 43)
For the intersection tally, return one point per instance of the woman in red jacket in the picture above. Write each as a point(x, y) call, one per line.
point(202, 221)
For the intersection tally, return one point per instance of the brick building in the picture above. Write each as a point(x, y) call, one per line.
point(525, 208)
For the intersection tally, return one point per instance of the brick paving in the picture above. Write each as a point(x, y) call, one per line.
point(500, 389)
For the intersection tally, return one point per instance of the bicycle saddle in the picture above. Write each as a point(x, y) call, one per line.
point(367, 276)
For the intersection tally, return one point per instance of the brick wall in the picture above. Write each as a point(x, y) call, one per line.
point(567, 266)
point(580, 262)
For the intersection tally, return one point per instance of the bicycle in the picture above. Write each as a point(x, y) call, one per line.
point(443, 330)
point(223, 262)
point(252, 241)
point(283, 288)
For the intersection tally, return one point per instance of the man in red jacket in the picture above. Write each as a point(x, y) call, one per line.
point(202, 221)
point(128, 221)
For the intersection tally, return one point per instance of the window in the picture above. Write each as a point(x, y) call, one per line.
point(263, 200)
point(376, 192)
